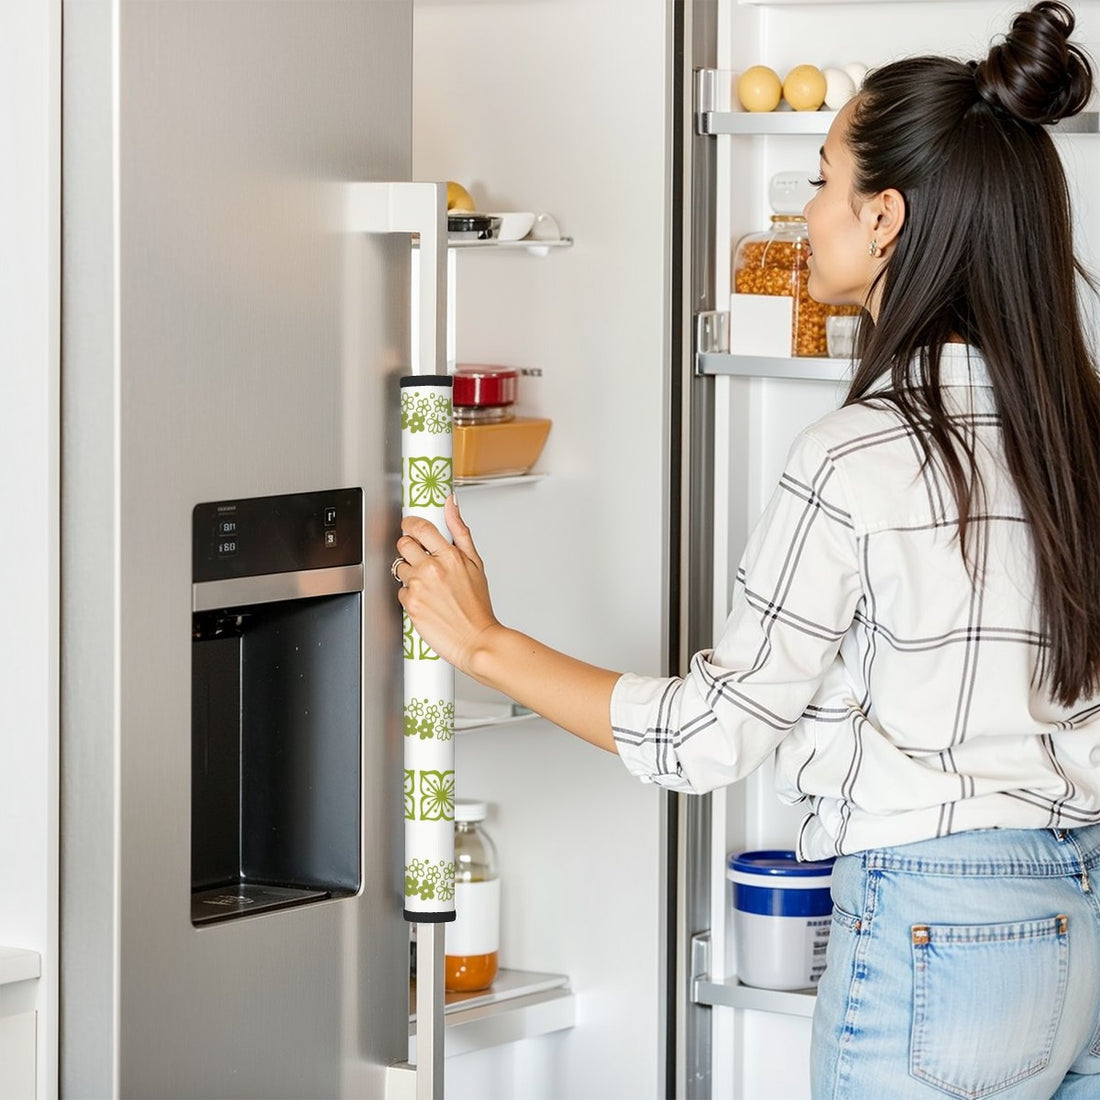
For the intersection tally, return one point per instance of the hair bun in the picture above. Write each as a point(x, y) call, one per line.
point(1036, 74)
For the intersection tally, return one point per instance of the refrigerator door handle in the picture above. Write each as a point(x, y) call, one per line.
point(421, 208)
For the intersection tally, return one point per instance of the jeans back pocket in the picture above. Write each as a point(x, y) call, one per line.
point(987, 999)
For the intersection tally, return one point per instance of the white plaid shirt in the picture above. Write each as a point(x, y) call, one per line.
point(898, 698)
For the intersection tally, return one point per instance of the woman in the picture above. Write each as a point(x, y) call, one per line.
point(915, 632)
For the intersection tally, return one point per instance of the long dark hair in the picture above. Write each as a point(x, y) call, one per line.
point(986, 256)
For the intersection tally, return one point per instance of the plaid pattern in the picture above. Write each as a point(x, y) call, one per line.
point(896, 695)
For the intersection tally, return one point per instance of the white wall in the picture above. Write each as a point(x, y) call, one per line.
point(29, 280)
point(559, 106)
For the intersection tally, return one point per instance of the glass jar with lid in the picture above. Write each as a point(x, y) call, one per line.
point(774, 263)
point(473, 938)
point(484, 394)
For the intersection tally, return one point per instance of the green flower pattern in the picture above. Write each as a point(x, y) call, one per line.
point(430, 881)
point(437, 796)
point(430, 719)
point(428, 481)
point(426, 412)
point(414, 647)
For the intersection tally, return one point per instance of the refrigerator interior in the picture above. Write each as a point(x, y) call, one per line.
point(538, 107)
point(760, 1048)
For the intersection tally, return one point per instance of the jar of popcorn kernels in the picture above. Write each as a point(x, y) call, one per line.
point(774, 263)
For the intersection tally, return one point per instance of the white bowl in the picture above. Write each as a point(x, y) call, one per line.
point(545, 228)
point(514, 225)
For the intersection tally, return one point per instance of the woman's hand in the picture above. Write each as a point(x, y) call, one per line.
point(444, 589)
point(446, 595)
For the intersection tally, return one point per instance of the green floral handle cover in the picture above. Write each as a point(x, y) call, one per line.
point(427, 479)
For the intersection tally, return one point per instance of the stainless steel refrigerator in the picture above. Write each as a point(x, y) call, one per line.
point(219, 347)
point(231, 354)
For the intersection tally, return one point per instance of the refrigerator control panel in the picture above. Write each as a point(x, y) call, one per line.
point(280, 534)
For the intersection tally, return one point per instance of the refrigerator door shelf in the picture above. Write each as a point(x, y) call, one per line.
point(730, 993)
point(818, 122)
point(471, 714)
point(717, 110)
point(529, 244)
point(713, 355)
point(535, 247)
point(717, 113)
point(519, 1005)
point(764, 122)
point(765, 366)
point(18, 964)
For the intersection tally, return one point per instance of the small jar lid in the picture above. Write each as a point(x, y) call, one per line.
point(478, 384)
point(470, 810)
point(788, 192)
point(479, 227)
point(468, 221)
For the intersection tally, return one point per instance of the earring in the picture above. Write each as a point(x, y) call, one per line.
point(872, 248)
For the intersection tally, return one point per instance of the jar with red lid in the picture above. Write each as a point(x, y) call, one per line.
point(490, 440)
point(484, 394)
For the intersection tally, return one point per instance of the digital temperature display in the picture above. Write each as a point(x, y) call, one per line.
point(281, 534)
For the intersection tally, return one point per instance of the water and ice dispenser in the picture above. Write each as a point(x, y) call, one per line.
point(276, 688)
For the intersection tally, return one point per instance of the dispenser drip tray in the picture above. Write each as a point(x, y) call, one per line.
point(241, 899)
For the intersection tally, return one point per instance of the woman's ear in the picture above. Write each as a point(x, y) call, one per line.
point(886, 215)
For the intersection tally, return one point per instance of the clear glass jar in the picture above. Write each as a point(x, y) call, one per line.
point(774, 263)
point(473, 938)
point(484, 394)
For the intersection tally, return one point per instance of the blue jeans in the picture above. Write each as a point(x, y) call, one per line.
point(967, 966)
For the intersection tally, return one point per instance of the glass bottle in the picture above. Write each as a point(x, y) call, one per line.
point(473, 938)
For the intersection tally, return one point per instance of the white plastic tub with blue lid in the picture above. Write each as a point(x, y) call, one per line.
point(781, 911)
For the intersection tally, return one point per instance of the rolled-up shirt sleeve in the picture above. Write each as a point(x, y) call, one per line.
point(795, 596)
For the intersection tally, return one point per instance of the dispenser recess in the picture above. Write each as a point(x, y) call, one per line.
point(276, 689)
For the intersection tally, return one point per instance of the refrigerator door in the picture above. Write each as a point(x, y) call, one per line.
point(518, 101)
point(222, 341)
point(736, 1041)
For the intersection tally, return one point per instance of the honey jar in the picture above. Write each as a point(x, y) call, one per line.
point(502, 448)
point(473, 938)
point(773, 263)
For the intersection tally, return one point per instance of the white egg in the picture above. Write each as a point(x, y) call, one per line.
point(857, 71)
point(839, 88)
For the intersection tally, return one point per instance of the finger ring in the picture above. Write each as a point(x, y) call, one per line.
point(394, 566)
